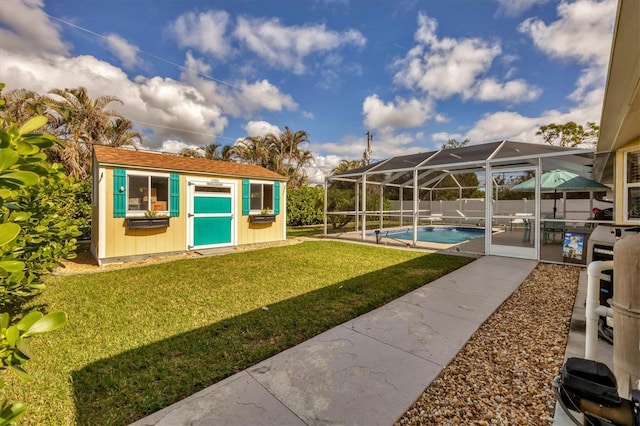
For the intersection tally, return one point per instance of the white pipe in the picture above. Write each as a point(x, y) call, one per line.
point(593, 302)
point(604, 311)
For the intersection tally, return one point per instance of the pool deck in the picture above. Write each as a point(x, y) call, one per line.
point(550, 252)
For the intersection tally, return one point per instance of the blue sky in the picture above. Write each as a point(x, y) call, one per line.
point(414, 73)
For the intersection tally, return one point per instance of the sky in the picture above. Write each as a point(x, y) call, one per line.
point(414, 73)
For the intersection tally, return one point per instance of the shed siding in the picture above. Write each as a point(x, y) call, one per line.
point(252, 233)
point(121, 241)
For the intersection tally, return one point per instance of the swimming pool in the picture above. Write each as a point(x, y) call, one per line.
point(434, 234)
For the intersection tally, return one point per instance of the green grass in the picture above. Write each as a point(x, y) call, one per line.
point(142, 338)
point(304, 231)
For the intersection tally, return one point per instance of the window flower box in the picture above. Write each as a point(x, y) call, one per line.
point(147, 222)
point(262, 218)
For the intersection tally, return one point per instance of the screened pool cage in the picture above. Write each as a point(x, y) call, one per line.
point(469, 187)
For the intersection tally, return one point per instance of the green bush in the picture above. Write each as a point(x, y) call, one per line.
point(28, 239)
point(305, 206)
point(34, 201)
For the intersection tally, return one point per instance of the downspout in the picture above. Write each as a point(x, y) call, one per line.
point(593, 310)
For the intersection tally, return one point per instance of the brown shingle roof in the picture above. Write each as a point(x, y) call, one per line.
point(110, 156)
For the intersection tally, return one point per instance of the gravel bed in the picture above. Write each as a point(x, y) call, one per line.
point(503, 374)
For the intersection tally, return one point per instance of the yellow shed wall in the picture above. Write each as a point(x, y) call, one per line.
point(252, 233)
point(121, 241)
point(619, 186)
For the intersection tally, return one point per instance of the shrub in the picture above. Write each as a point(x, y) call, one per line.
point(305, 206)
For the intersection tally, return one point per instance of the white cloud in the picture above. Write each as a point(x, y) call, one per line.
point(503, 125)
point(400, 113)
point(175, 146)
point(512, 125)
point(514, 91)
point(127, 53)
point(321, 167)
point(581, 33)
point(444, 67)
point(445, 136)
point(516, 7)
point(287, 47)
point(263, 95)
point(236, 98)
point(261, 128)
point(24, 27)
point(204, 31)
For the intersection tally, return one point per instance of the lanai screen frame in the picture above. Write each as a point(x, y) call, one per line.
point(439, 164)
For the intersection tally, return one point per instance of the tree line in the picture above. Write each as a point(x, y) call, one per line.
point(79, 122)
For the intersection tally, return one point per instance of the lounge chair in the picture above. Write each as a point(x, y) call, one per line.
point(435, 217)
point(518, 219)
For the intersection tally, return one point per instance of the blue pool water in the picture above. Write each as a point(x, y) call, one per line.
point(434, 234)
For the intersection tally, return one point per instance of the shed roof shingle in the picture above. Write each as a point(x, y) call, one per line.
point(170, 162)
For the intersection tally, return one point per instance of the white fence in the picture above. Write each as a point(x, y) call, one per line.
point(569, 209)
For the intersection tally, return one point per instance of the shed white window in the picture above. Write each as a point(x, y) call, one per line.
point(148, 193)
point(261, 197)
point(632, 186)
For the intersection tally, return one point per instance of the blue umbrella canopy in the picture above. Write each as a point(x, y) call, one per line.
point(560, 180)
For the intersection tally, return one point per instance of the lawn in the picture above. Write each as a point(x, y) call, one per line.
point(304, 231)
point(140, 339)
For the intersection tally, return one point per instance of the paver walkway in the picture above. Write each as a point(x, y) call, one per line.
point(367, 371)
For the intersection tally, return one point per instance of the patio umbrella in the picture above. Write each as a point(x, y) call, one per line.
point(560, 180)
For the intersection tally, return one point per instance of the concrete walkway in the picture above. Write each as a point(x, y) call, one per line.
point(367, 371)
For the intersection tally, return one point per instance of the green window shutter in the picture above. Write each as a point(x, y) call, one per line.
point(174, 195)
point(276, 197)
point(246, 193)
point(119, 193)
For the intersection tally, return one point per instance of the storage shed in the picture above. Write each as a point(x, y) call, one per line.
point(147, 204)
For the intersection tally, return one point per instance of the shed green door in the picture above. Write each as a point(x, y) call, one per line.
point(211, 216)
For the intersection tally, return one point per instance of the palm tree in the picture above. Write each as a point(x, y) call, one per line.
point(21, 105)
point(190, 152)
point(280, 153)
point(119, 133)
point(79, 121)
point(212, 151)
point(346, 165)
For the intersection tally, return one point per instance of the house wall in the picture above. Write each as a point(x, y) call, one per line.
point(619, 186)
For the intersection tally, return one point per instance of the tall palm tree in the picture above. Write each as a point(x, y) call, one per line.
point(81, 121)
point(281, 153)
